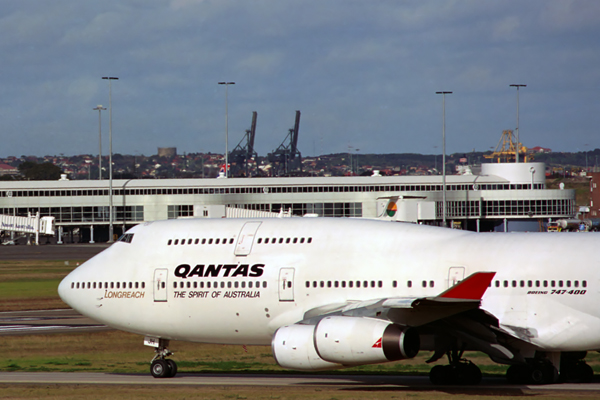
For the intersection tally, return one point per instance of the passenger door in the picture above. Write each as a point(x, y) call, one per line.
point(455, 275)
point(160, 284)
point(286, 284)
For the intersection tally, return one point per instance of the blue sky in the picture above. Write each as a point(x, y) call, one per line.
point(363, 73)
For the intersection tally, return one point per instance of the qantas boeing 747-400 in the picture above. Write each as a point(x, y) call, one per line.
point(329, 293)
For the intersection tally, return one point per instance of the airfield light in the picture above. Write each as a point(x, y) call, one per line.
point(110, 168)
point(518, 85)
point(226, 127)
point(443, 155)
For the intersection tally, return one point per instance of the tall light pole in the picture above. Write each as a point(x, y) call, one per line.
point(443, 155)
point(110, 174)
point(518, 86)
point(226, 127)
point(99, 108)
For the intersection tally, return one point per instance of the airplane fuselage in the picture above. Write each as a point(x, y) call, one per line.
point(237, 281)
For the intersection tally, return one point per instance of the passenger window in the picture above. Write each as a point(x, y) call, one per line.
point(309, 240)
point(529, 283)
point(336, 284)
point(216, 241)
point(208, 285)
point(552, 283)
point(280, 240)
point(380, 284)
point(201, 285)
point(259, 241)
point(328, 284)
point(409, 284)
point(431, 283)
point(235, 284)
point(514, 283)
point(394, 283)
point(203, 241)
point(250, 285)
point(576, 283)
point(174, 285)
point(196, 241)
point(264, 284)
point(322, 284)
point(137, 285)
point(222, 285)
point(163, 285)
point(497, 283)
point(560, 283)
point(343, 284)
point(231, 241)
point(505, 283)
point(350, 283)
point(176, 241)
point(224, 241)
point(287, 241)
point(229, 285)
point(169, 242)
point(424, 283)
point(307, 284)
point(189, 285)
point(118, 285)
point(568, 283)
point(189, 241)
point(545, 283)
point(243, 284)
point(583, 283)
point(301, 240)
point(295, 240)
point(210, 241)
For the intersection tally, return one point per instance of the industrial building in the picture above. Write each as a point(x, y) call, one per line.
point(501, 193)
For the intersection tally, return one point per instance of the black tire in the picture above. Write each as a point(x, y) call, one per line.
point(473, 374)
point(518, 374)
point(172, 365)
point(159, 369)
point(439, 375)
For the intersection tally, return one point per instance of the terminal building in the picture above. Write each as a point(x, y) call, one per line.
point(500, 194)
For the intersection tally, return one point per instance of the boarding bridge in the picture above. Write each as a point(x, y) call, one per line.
point(27, 225)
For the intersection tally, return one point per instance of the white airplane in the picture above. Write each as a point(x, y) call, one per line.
point(330, 293)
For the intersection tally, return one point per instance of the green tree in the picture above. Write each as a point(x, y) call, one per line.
point(40, 172)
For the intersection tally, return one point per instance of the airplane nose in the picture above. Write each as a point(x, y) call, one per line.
point(65, 290)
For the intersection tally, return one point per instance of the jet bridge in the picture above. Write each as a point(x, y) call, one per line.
point(28, 225)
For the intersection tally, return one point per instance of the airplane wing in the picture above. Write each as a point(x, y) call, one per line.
point(453, 313)
point(413, 311)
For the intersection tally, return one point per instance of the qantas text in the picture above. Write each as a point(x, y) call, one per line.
point(219, 270)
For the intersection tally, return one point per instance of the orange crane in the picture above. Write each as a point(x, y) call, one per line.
point(505, 151)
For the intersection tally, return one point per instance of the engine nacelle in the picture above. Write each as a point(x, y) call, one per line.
point(336, 342)
point(357, 341)
point(293, 347)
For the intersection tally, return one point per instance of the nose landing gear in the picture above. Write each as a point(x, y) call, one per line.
point(160, 366)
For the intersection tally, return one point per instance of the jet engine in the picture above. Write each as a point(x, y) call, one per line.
point(340, 341)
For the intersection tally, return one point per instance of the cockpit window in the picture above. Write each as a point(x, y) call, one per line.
point(127, 238)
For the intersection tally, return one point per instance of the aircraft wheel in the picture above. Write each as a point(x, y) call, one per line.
point(579, 372)
point(440, 375)
point(518, 374)
point(159, 369)
point(472, 374)
point(172, 366)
